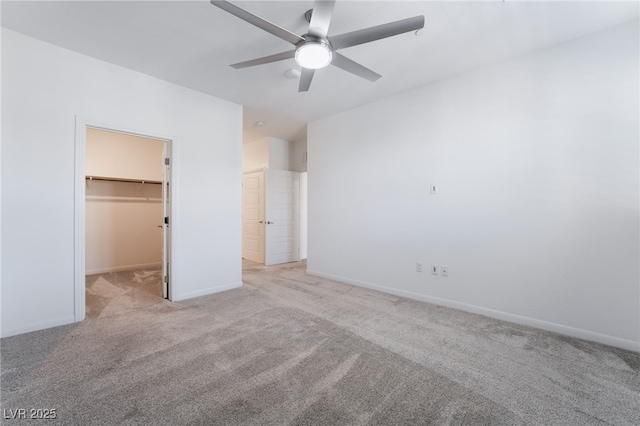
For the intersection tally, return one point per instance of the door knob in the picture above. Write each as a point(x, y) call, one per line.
point(160, 226)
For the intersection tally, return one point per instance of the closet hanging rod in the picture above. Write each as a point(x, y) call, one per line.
point(112, 179)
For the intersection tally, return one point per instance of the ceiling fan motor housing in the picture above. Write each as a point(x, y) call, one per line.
point(310, 39)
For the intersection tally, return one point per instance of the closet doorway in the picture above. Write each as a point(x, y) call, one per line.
point(270, 216)
point(127, 211)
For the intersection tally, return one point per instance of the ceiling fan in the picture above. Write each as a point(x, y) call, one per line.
point(316, 49)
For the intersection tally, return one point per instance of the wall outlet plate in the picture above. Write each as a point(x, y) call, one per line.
point(434, 269)
point(433, 188)
point(444, 271)
point(418, 266)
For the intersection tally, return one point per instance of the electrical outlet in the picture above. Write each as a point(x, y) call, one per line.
point(433, 188)
point(434, 269)
point(444, 271)
point(418, 266)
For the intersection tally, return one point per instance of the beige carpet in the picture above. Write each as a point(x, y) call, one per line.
point(127, 289)
point(288, 348)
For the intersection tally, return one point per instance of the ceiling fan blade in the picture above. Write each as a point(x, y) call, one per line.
point(266, 59)
point(305, 79)
point(348, 65)
point(321, 17)
point(378, 32)
point(258, 22)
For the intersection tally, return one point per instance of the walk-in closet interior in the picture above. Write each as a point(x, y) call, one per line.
point(124, 219)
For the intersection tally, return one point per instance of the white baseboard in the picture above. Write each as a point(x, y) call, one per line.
point(123, 268)
point(205, 292)
point(491, 313)
point(38, 326)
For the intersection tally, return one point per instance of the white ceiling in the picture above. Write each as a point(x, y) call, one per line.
point(192, 43)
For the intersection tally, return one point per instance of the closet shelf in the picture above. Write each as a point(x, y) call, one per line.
point(122, 199)
point(113, 179)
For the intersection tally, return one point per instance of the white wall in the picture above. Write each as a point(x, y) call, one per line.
point(537, 215)
point(267, 152)
point(255, 155)
point(299, 156)
point(121, 224)
point(122, 218)
point(279, 154)
point(44, 89)
point(119, 155)
point(1, 184)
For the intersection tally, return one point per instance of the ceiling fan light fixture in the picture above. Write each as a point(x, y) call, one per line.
point(313, 54)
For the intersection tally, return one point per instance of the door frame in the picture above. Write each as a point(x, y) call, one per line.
point(81, 125)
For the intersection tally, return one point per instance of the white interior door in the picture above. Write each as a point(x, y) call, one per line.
point(281, 235)
point(166, 211)
point(302, 228)
point(253, 228)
